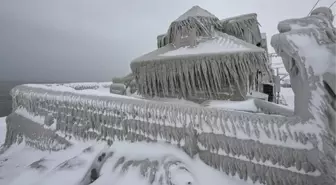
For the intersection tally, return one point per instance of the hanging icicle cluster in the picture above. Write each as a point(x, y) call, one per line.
point(162, 40)
point(21, 129)
point(204, 27)
point(222, 75)
point(223, 139)
point(161, 171)
point(245, 27)
point(216, 76)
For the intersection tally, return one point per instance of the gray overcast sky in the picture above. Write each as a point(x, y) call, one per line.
point(88, 40)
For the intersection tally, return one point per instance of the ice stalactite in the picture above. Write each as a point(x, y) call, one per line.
point(165, 171)
point(20, 129)
point(273, 143)
point(229, 73)
point(162, 40)
point(245, 27)
point(203, 25)
point(203, 74)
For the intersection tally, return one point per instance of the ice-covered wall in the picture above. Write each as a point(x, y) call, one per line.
point(267, 148)
point(308, 49)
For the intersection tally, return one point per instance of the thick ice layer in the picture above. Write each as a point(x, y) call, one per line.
point(251, 105)
point(209, 59)
point(307, 47)
point(88, 85)
point(222, 43)
point(321, 53)
point(245, 27)
point(233, 142)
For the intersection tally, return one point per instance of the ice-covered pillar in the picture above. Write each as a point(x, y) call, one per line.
point(307, 47)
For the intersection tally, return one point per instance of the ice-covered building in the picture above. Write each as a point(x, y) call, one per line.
point(81, 132)
point(202, 57)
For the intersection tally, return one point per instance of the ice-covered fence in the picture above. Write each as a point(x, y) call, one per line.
point(267, 148)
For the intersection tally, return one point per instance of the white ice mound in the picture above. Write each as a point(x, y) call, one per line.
point(121, 164)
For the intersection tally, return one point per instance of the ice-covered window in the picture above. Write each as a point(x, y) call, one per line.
point(185, 37)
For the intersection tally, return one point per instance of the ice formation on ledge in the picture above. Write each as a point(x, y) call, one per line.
point(241, 143)
point(238, 25)
point(272, 147)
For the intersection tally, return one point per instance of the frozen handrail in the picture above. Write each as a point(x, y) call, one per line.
point(243, 143)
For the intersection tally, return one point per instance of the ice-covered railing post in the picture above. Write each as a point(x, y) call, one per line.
point(308, 50)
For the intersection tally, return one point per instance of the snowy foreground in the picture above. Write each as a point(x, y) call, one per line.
point(22, 165)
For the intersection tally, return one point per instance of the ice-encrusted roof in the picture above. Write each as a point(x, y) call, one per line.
point(216, 45)
point(301, 36)
point(245, 27)
point(240, 17)
point(195, 11)
point(221, 44)
point(160, 36)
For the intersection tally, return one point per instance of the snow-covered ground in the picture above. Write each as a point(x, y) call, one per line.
point(17, 165)
point(288, 96)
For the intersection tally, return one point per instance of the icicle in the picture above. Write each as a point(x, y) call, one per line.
point(118, 109)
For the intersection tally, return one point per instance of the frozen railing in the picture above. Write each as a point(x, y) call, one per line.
point(270, 149)
point(87, 85)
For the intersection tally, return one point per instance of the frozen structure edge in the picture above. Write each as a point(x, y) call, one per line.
point(265, 148)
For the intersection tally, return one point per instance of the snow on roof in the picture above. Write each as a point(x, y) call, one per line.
point(217, 45)
point(305, 44)
point(195, 11)
point(247, 105)
point(240, 17)
point(222, 43)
